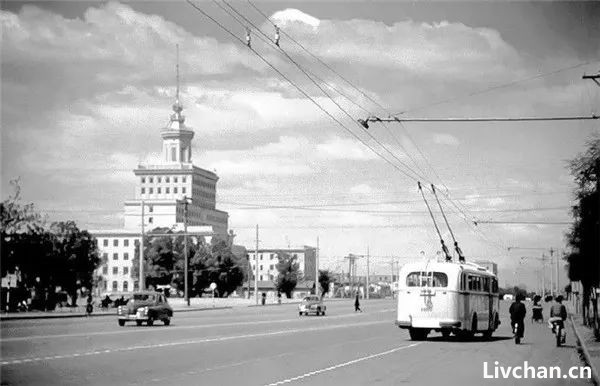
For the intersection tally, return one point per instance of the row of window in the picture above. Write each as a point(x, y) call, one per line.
point(271, 267)
point(115, 270)
point(159, 179)
point(474, 282)
point(167, 190)
point(116, 242)
point(273, 256)
point(125, 287)
point(427, 279)
point(116, 256)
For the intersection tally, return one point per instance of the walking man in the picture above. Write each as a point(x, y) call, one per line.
point(357, 304)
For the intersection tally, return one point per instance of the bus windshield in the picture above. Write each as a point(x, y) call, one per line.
point(427, 279)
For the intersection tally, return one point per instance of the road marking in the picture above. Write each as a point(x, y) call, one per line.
point(334, 367)
point(172, 328)
point(197, 341)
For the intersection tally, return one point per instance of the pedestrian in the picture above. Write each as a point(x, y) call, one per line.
point(357, 304)
point(89, 307)
point(278, 297)
point(537, 310)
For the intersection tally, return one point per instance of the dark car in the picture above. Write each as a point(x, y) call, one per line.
point(146, 306)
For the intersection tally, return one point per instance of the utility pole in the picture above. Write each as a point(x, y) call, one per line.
point(185, 250)
point(392, 277)
point(256, 268)
point(248, 271)
point(317, 268)
point(141, 278)
point(368, 272)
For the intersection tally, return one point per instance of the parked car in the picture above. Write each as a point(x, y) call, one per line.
point(312, 304)
point(145, 306)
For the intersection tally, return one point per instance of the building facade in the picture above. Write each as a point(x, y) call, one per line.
point(268, 258)
point(167, 194)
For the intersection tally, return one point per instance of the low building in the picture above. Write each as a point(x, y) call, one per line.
point(269, 257)
point(489, 265)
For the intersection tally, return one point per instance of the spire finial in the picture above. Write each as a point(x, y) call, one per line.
point(177, 107)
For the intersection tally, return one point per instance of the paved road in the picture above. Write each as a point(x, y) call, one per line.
point(265, 346)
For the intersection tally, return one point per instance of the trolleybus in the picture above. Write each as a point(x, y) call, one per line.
point(447, 297)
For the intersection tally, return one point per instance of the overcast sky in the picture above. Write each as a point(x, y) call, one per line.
point(87, 86)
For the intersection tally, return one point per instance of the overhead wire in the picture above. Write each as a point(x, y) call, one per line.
point(305, 72)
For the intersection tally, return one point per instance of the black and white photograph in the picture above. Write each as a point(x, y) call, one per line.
point(265, 193)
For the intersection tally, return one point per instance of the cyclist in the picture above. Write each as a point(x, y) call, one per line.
point(558, 315)
point(517, 315)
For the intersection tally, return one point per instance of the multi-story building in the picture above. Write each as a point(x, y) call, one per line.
point(489, 265)
point(167, 194)
point(268, 259)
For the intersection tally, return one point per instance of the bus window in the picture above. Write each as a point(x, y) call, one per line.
point(412, 280)
point(495, 285)
point(427, 279)
point(486, 284)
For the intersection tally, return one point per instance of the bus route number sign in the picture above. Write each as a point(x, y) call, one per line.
point(427, 299)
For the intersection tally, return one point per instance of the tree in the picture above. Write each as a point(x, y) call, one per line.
point(583, 236)
point(289, 273)
point(324, 280)
point(46, 257)
point(75, 257)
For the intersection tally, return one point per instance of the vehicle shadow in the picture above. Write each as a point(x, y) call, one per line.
point(474, 339)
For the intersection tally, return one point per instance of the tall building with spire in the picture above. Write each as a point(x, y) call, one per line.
point(161, 193)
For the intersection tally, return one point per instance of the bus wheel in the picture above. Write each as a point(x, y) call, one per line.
point(418, 333)
point(446, 333)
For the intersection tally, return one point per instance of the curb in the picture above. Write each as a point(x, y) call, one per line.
point(586, 353)
point(78, 315)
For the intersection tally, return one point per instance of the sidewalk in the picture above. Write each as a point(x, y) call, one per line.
point(590, 348)
point(178, 305)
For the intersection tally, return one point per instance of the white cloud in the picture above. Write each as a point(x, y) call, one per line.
point(337, 148)
point(445, 139)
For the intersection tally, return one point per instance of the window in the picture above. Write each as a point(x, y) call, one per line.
point(158, 190)
point(183, 179)
point(150, 207)
point(150, 220)
point(125, 286)
point(105, 256)
point(143, 180)
point(115, 256)
point(486, 284)
point(261, 268)
point(105, 285)
point(143, 190)
point(261, 256)
point(135, 285)
point(175, 189)
point(271, 277)
point(125, 270)
point(125, 256)
point(126, 242)
point(115, 242)
point(260, 277)
point(495, 285)
point(150, 190)
point(166, 179)
point(426, 279)
point(183, 190)
point(271, 266)
point(150, 180)
point(105, 270)
point(115, 285)
point(167, 190)
point(115, 270)
point(271, 256)
point(105, 242)
point(158, 179)
point(174, 179)
point(173, 154)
